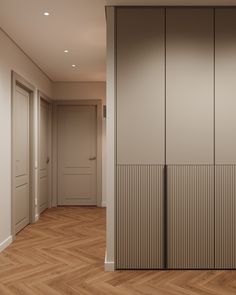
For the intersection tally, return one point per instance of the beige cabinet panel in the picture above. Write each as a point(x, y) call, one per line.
point(190, 85)
point(140, 86)
point(225, 91)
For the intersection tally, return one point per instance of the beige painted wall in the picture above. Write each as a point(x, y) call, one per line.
point(84, 91)
point(79, 90)
point(12, 58)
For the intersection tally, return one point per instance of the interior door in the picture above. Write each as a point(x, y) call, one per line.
point(44, 156)
point(77, 155)
point(21, 156)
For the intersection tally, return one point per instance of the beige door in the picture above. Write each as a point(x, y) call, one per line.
point(77, 155)
point(21, 158)
point(44, 156)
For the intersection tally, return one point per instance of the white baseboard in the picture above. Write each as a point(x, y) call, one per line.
point(36, 217)
point(5, 243)
point(109, 265)
point(104, 204)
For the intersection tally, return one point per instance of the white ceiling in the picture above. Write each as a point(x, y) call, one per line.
point(76, 25)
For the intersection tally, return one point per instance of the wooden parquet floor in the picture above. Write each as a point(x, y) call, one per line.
point(63, 253)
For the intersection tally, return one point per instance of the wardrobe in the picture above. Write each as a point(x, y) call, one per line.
point(175, 137)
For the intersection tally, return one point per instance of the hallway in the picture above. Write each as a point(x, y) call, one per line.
point(63, 253)
point(57, 254)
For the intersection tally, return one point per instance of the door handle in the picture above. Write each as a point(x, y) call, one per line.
point(48, 160)
point(165, 262)
point(92, 158)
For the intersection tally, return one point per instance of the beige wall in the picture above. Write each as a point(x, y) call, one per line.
point(12, 58)
point(79, 90)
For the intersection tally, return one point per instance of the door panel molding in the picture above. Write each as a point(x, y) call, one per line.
point(18, 81)
point(71, 103)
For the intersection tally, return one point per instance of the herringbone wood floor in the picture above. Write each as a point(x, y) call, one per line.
point(63, 253)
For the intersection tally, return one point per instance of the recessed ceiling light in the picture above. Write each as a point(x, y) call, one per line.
point(46, 13)
point(66, 51)
point(73, 66)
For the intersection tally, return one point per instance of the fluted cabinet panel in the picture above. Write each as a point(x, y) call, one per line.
point(139, 217)
point(225, 227)
point(191, 216)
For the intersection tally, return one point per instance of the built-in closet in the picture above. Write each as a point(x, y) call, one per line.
point(175, 137)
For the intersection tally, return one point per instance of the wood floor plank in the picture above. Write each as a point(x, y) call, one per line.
point(63, 254)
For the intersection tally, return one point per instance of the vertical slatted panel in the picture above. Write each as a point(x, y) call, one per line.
point(191, 216)
point(139, 209)
point(225, 216)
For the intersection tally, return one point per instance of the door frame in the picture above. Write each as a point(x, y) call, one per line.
point(44, 97)
point(98, 104)
point(18, 80)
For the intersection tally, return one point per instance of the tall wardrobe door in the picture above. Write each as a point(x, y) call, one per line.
point(190, 136)
point(225, 137)
point(140, 137)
